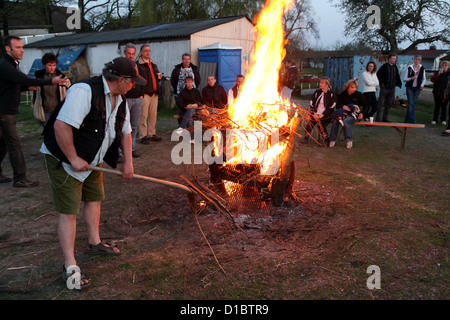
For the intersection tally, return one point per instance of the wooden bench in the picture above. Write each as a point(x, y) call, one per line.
point(396, 125)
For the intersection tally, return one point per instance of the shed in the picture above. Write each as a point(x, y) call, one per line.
point(342, 69)
point(68, 62)
point(221, 59)
point(168, 41)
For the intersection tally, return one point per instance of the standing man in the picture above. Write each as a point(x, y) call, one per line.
point(48, 97)
point(134, 100)
point(150, 72)
point(181, 72)
point(12, 82)
point(288, 80)
point(234, 92)
point(84, 131)
point(389, 78)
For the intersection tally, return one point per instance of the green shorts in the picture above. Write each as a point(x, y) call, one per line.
point(68, 192)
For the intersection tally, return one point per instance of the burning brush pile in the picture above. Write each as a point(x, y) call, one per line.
point(258, 132)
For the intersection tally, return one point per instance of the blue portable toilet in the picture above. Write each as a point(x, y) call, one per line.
point(222, 59)
point(342, 69)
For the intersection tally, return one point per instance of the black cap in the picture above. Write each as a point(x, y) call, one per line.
point(127, 68)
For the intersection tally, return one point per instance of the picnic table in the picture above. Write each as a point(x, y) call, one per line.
point(309, 80)
point(400, 127)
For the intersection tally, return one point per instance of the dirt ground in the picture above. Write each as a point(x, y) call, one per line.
point(316, 248)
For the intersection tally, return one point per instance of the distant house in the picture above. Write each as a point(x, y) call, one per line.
point(314, 58)
point(168, 41)
point(431, 58)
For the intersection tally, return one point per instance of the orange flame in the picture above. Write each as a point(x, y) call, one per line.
point(259, 106)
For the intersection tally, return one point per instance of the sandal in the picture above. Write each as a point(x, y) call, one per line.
point(74, 278)
point(101, 248)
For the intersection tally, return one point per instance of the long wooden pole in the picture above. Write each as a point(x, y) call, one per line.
point(150, 179)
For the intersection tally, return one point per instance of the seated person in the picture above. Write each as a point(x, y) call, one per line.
point(188, 101)
point(214, 95)
point(350, 96)
point(234, 92)
point(322, 105)
point(342, 113)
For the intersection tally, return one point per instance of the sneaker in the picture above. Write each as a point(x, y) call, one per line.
point(135, 154)
point(4, 179)
point(444, 123)
point(433, 122)
point(179, 131)
point(349, 144)
point(26, 183)
point(155, 138)
point(332, 144)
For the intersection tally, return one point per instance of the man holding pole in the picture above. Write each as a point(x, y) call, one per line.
point(12, 82)
point(85, 130)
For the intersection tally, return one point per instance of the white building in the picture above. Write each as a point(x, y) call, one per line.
point(168, 41)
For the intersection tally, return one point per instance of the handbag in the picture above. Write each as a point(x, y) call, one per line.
point(38, 110)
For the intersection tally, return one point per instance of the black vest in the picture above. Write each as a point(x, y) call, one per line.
point(89, 137)
point(411, 74)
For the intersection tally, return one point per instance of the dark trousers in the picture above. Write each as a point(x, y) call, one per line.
point(440, 107)
point(371, 104)
point(10, 143)
point(323, 123)
point(386, 99)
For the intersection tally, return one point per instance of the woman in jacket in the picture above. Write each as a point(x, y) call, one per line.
point(415, 81)
point(350, 96)
point(321, 106)
point(371, 83)
point(440, 80)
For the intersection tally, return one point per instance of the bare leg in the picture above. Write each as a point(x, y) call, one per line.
point(66, 231)
point(92, 218)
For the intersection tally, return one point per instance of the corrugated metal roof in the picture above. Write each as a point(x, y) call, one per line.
point(172, 30)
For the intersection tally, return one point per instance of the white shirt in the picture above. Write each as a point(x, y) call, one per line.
point(76, 108)
point(321, 106)
point(370, 81)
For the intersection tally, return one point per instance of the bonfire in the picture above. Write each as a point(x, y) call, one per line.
point(259, 127)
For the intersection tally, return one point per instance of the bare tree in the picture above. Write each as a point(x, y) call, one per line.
point(299, 20)
point(403, 23)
